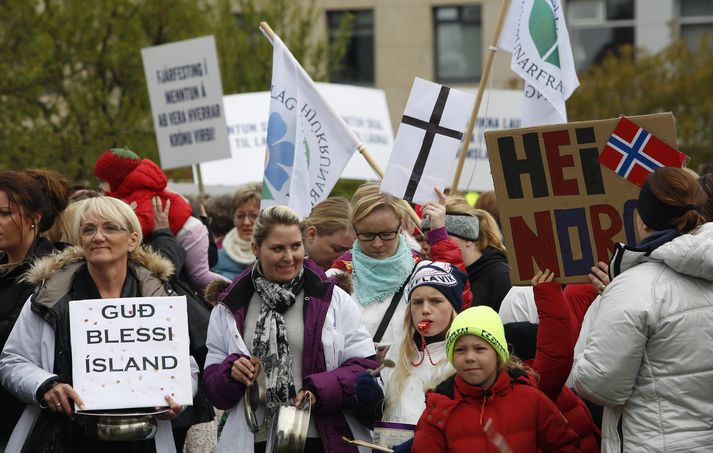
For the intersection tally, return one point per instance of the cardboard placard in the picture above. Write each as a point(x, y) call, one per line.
point(559, 208)
point(130, 352)
point(186, 96)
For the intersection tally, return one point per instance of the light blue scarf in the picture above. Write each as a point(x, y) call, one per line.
point(378, 279)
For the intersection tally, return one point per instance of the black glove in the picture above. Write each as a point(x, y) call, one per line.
point(368, 391)
point(404, 447)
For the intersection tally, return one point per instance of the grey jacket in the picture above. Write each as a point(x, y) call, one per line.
point(648, 355)
point(28, 358)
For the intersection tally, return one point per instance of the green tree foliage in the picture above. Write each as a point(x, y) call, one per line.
point(678, 79)
point(72, 81)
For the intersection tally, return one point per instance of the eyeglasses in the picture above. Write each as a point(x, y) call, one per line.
point(109, 229)
point(383, 235)
point(241, 217)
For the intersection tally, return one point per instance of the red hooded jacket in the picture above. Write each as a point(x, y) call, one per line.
point(143, 183)
point(456, 413)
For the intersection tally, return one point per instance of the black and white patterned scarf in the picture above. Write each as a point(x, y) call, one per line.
point(270, 343)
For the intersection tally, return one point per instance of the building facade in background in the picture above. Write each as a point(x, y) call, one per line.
point(394, 41)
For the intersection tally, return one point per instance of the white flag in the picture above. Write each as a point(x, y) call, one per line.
point(426, 144)
point(536, 35)
point(308, 144)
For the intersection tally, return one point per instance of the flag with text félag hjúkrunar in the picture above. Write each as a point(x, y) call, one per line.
point(308, 144)
point(535, 34)
point(633, 152)
point(427, 141)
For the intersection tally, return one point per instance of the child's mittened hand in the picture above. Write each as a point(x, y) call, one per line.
point(368, 391)
point(543, 277)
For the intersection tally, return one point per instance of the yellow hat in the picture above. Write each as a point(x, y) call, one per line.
point(483, 322)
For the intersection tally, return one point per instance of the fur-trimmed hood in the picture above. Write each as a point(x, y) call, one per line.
point(54, 273)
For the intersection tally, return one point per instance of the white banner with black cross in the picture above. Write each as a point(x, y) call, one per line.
point(428, 139)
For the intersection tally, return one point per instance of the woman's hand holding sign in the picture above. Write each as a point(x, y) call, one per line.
point(59, 399)
point(174, 409)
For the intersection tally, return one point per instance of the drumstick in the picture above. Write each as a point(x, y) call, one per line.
point(362, 443)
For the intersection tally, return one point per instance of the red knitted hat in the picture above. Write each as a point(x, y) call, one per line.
point(114, 165)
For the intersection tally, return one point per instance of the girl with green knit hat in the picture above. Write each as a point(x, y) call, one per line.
point(491, 404)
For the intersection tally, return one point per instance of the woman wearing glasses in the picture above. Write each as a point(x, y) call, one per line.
point(381, 263)
point(236, 255)
point(109, 264)
point(30, 201)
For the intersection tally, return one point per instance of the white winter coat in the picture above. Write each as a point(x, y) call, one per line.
point(648, 357)
point(343, 337)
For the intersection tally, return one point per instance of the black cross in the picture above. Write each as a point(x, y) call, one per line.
point(432, 128)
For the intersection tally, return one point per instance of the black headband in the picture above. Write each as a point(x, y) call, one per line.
point(656, 214)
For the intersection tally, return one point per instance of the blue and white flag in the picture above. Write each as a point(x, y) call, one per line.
point(308, 144)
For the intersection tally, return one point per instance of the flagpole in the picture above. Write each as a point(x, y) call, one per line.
point(270, 35)
point(267, 31)
point(481, 89)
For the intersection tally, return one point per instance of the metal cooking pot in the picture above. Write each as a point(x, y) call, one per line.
point(120, 426)
point(254, 401)
point(288, 433)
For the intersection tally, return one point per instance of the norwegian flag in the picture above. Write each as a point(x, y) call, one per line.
point(633, 152)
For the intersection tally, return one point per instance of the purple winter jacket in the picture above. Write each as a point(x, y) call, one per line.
point(334, 389)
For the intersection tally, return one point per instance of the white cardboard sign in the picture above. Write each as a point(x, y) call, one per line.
point(363, 109)
point(426, 144)
point(130, 352)
point(186, 101)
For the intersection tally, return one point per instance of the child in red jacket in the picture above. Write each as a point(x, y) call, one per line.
point(490, 404)
point(124, 175)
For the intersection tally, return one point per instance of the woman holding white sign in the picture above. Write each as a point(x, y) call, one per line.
point(306, 331)
point(36, 364)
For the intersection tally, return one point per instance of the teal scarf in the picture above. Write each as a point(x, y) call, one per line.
point(378, 279)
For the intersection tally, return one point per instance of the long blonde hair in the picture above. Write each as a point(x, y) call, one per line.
point(490, 234)
point(407, 352)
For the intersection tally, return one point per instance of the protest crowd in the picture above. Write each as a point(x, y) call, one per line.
point(419, 345)
point(568, 310)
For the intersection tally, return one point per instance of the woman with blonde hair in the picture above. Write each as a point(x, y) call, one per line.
point(478, 237)
point(36, 364)
point(327, 231)
point(381, 262)
point(285, 314)
point(435, 297)
point(236, 255)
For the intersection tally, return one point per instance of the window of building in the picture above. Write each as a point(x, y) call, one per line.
point(696, 18)
point(598, 27)
point(458, 43)
point(357, 65)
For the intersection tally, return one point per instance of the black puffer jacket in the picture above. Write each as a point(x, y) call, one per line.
point(13, 295)
point(489, 278)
